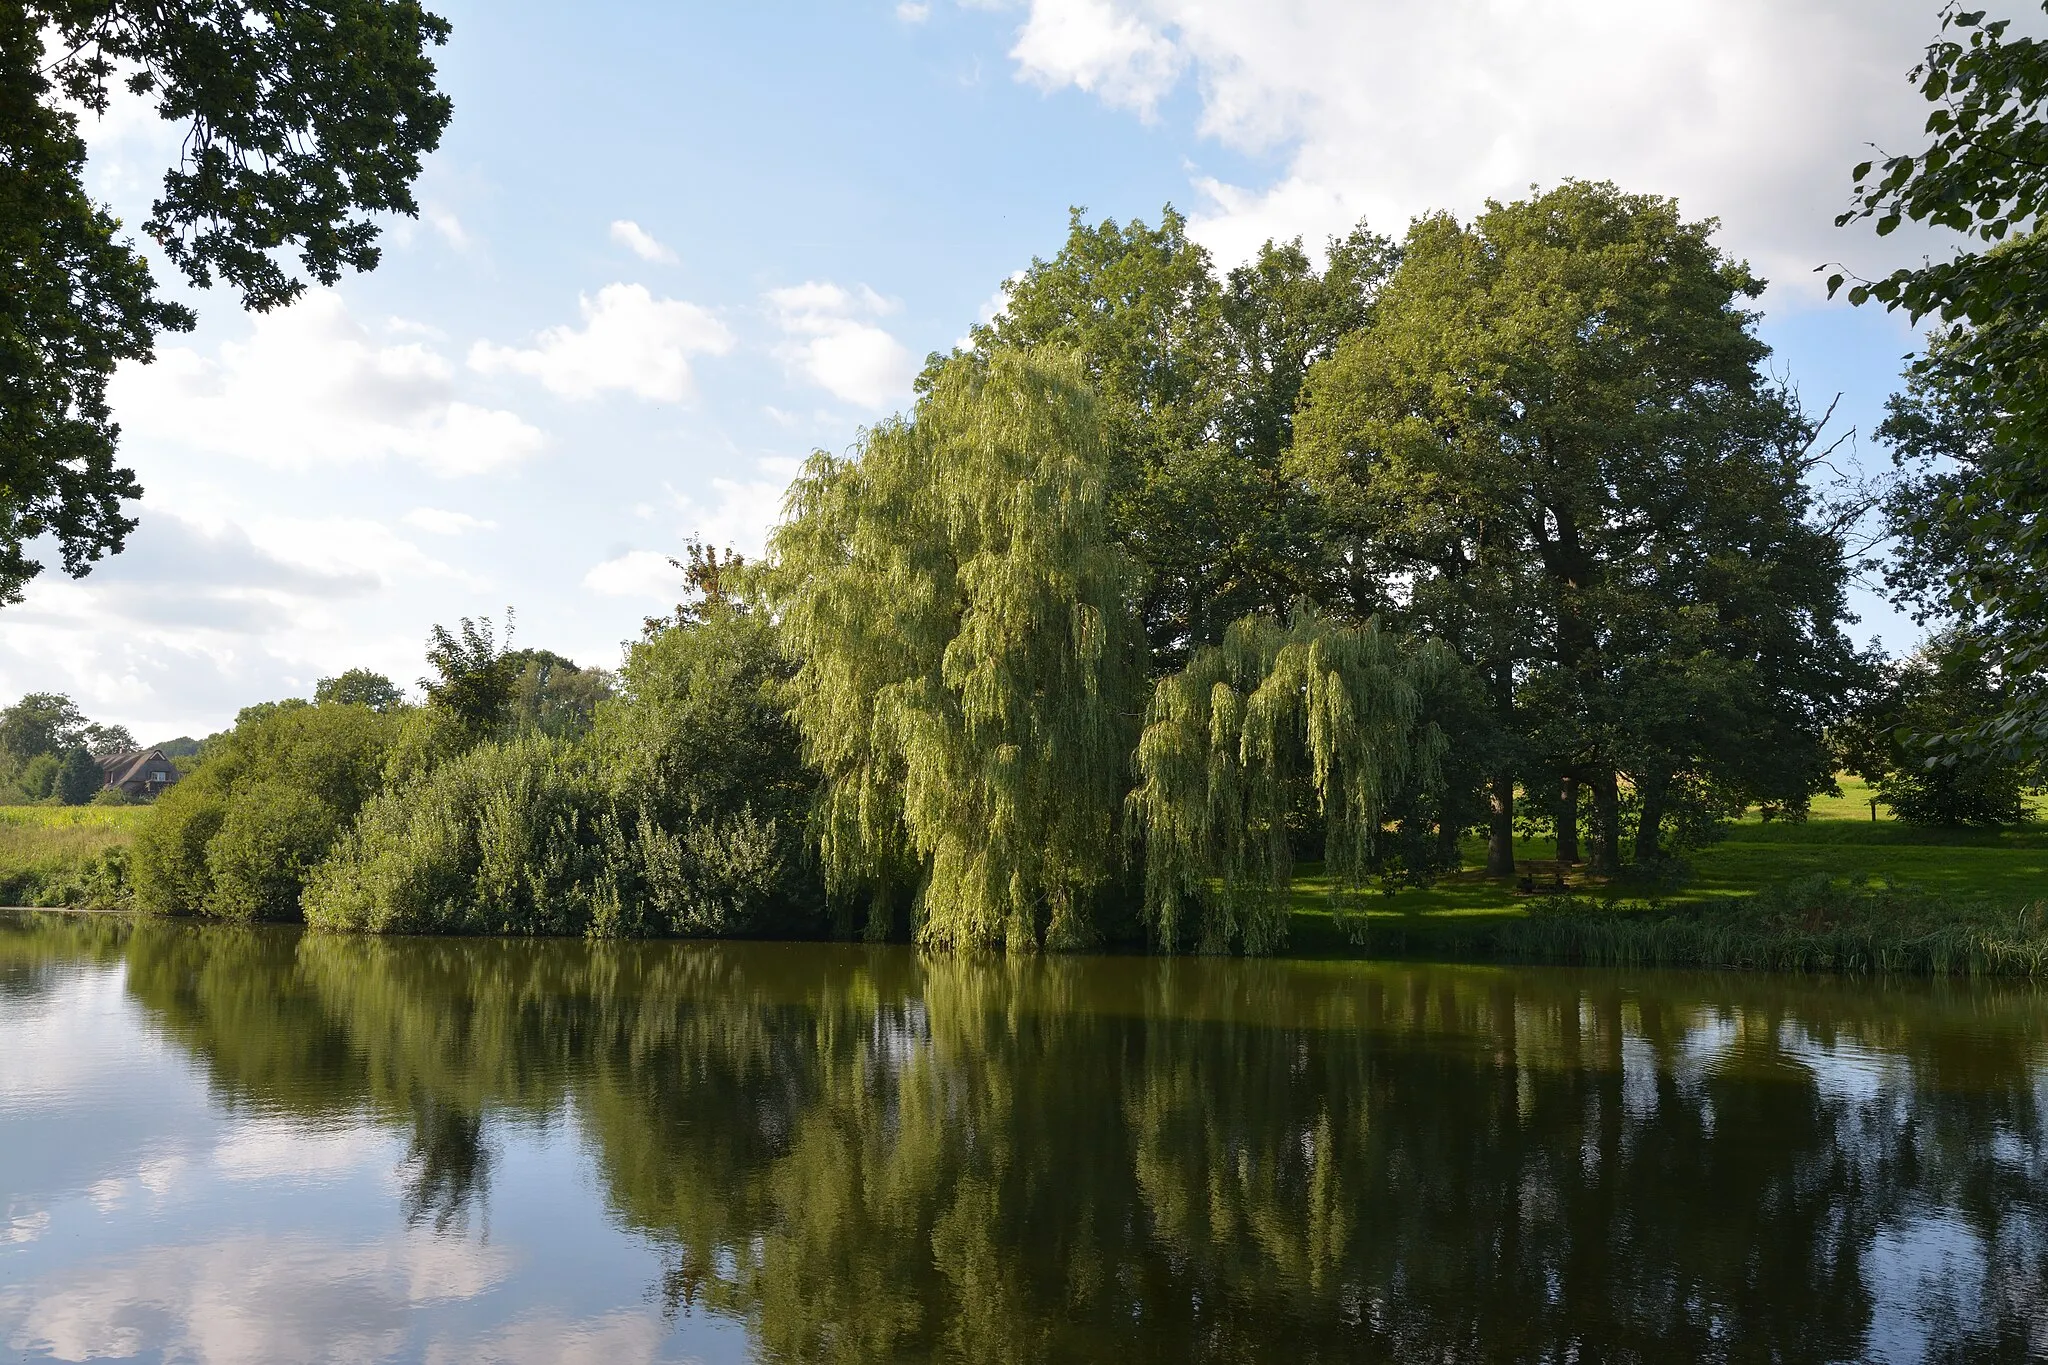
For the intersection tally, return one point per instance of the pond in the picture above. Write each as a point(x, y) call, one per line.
point(226, 1145)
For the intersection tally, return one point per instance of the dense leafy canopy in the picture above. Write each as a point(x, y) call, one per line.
point(681, 813)
point(47, 747)
point(475, 675)
point(1983, 173)
point(360, 687)
point(304, 121)
point(1553, 448)
point(1197, 380)
point(238, 838)
point(1230, 739)
point(967, 654)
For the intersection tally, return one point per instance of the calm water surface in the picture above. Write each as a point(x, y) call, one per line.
point(230, 1146)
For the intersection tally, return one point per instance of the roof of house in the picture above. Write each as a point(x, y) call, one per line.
point(132, 765)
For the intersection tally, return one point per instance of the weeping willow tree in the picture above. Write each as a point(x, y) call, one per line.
point(969, 653)
point(1228, 744)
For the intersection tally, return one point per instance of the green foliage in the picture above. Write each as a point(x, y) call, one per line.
point(1948, 687)
point(271, 835)
point(552, 695)
point(47, 747)
point(968, 654)
point(1815, 924)
point(357, 687)
point(237, 838)
point(476, 676)
point(40, 723)
point(683, 813)
point(302, 124)
point(77, 304)
point(1984, 172)
point(1197, 380)
point(65, 856)
point(79, 779)
point(1229, 738)
point(1552, 447)
point(1965, 538)
point(499, 840)
point(36, 780)
point(708, 780)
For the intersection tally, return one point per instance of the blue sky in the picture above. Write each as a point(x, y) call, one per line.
point(668, 249)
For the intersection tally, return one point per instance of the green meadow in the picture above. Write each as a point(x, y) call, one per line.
point(66, 855)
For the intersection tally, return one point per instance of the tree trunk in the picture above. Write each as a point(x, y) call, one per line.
point(1448, 831)
point(1606, 857)
point(1568, 822)
point(1656, 786)
point(1500, 841)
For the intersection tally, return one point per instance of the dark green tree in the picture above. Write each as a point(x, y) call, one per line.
point(475, 675)
point(1983, 528)
point(1198, 379)
point(1949, 685)
point(303, 123)
point(360, 687)
point(109, 739)
point(1553, 448)
point(553, 695)
point(80, 779)
point(40, 723)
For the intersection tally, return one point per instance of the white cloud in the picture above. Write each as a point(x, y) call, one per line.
point(738, 516)
point(913, 11)
point(636, 573)
point(313, 386)
point(249, 1298)
point(436, 521)
point(621, 1337)
point(641, 242)
point(1100, 47)
point(833, 345)
point(630, 342)
point(277, 1150)
point(449, 226)
point(992, 307)
point(1749, 110)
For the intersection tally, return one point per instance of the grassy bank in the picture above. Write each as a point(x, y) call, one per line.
point(1811, 925)
point(66, 855)
point(1836, 892)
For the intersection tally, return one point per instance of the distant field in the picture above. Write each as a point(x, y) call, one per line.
point(2003, 866)
point(68, 817)
point(47, 853)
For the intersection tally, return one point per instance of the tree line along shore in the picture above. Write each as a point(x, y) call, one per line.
point(1390, 596)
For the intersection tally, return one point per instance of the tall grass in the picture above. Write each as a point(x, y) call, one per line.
point(66, 855)
point(1815, 924)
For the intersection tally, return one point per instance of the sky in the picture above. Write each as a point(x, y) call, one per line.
point(666, 250)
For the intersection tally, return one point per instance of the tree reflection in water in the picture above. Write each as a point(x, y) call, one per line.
point(865, 1155)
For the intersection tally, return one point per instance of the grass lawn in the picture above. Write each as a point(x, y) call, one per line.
point(47, 853)
point(2002, 866)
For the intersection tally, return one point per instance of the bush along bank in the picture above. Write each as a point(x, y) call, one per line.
point(671, 800)
point(1812, 925)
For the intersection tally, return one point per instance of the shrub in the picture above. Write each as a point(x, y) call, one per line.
point(500, 840)
point(237, 838)
point(269, 839)
point(684, 813)
point(711, 797)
